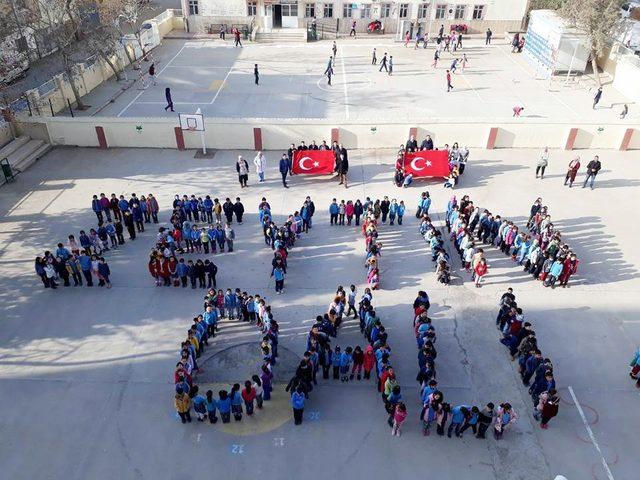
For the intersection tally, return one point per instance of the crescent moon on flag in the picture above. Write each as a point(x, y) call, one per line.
point(301, 163)
point(413, 164)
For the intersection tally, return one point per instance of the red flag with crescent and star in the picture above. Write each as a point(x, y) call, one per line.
point(313, 162)
point(427, 163)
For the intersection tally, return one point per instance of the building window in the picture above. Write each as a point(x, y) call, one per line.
point(328, 10)
point(460, 12)
point(423, 10)
point(385, 10)
point(252, 9)
point(290, 10)
point(365, 10)
point(193, 7)
point(310, 10)
point(478, 12)
point(441, 12)
point(404, 10)
point(347, 10)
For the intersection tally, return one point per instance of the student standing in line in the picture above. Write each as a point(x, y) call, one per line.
point(297, 403)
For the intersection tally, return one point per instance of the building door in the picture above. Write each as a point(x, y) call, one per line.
point(277, 16)
point(268, 17)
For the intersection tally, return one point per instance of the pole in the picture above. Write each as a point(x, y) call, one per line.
point(70, 109)
point(204, 146)
point(573, 57)
point(51, 107)
point(28, 105)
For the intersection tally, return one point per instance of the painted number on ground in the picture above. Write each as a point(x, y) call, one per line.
point(314, 415)
point(237, 449)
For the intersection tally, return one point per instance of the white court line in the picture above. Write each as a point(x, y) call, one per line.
point(344, 76)
point(221, 86)
point(175, 103)
point(591, 435)
point(471, 87)
point(162, 70)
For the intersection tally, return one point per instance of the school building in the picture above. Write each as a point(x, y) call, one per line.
point(414, 15)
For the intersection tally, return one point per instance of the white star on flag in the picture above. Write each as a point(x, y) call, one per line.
point(316, 164)
point(428, 163)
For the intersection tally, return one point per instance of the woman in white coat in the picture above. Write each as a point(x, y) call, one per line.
point(261, 163)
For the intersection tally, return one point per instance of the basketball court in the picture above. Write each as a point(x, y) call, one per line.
point(218, 78)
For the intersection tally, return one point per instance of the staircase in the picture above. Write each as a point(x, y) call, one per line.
point(22, 153)
point(282, 35)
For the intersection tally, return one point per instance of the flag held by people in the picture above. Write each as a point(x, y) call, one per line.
point(313, 162)
point(427, 163)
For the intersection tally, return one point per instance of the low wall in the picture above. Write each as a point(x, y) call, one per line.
point(238, 134)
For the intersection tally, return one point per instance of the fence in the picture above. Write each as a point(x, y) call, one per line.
point(54, 95)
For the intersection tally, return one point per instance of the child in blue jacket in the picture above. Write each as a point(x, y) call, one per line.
point(345, 363)
point(224, 406)
point(334, 209)
point(335, 362)
point(230, 303)
point(236, 402)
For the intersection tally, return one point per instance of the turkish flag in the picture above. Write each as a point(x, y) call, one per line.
point(313, 162)
point(427, 163)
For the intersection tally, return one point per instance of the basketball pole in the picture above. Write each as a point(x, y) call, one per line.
point(204, 146)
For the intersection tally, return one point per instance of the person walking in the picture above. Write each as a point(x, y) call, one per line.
point(152, 74)
point(390, 64)
point(597, 97)
point(454, 65)
point(449, 86)
point(297, 403)
point(625, 110)
point(574, 166)
point(329, 72)
point(543, 161)
point(222, 32)
point(517, 110)
point(480, 270)
point(261, 163)
point(284, 169)
point(334, 49)
point(353, 29)
point(488, 35)
point(256, 74)
point(383, 63)
point(593, 167)
point(436, 57)
point(278, 275)
point(167, 95)
point(242, 167)
point(374, 59)
point(236, 35)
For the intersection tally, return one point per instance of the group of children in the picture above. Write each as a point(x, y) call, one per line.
point(72, 264)
point(283, 238)
point(536, 371)
point(168, 270)
point(346, 213)
point(352, 363)
point(542, 252)
point(434, 409)
point(187, 236)
point(373, 250)
point(238, 400)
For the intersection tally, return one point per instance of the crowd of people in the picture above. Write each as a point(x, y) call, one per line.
point(282, 239)
point(351, 363)
point(458, 158)
point(536, 371)
point(234, 305)
point(81, 259)
point(539, 248)
point(435, 411)
point(350, 212)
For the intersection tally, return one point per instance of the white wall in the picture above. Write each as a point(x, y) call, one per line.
point(237, 134)
point(627, 79)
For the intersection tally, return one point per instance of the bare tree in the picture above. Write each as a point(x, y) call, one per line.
point(599, 19)
point(63, 21)
point(104, 38)
point(131, 15)
point(545, 4)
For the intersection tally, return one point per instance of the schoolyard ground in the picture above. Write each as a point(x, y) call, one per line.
point(218, 78)
point(86, 374)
